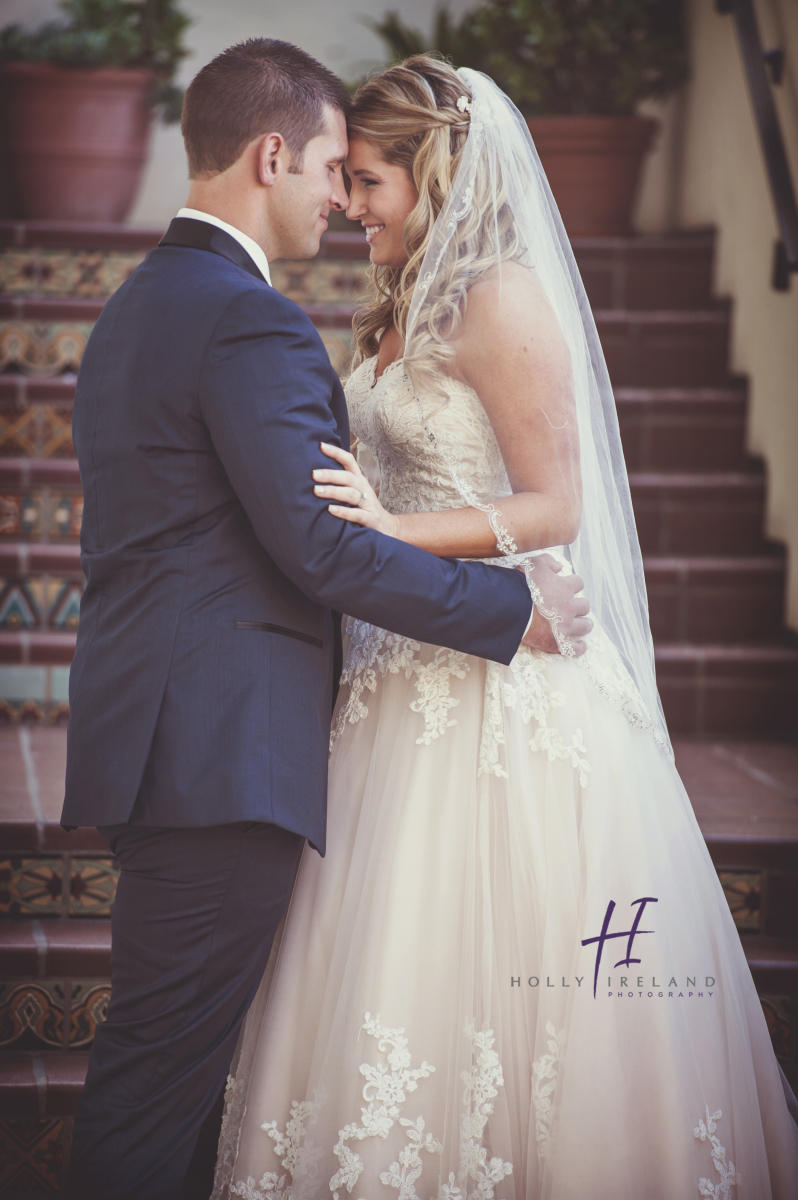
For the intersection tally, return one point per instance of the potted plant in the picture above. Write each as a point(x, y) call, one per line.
point(80, 96)
point(577, 70)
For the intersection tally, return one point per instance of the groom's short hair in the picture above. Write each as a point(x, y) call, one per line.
point(259, 86)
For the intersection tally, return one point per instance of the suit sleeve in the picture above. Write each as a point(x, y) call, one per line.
point(266, 391)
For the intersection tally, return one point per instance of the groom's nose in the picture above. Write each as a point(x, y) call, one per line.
point(338, 197)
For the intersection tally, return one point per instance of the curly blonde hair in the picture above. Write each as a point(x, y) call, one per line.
point(410, 114)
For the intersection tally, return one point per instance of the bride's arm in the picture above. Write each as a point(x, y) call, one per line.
point(511, 350)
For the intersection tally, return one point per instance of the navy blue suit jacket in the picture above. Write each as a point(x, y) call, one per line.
point(201, 687)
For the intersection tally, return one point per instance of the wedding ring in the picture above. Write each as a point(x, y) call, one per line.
point(360, 501)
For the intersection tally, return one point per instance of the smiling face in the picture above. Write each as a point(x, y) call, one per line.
point(300, 209)
point(382, 197)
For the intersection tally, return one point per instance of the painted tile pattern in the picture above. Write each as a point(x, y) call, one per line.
point(35, 430)
point(33, 1014)
point(43, 514)
point(33, 1155)
point(321, 281)
point(35, 887)
point(92, 887)
point(52, 1014)
point(30, 887)
point(743, 891)
point(42, 348)
point(88, 273)
point(40, 602)
point(781, 1013)
point(88, 1008)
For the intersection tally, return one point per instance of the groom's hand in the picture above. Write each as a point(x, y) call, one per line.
point(559, 596)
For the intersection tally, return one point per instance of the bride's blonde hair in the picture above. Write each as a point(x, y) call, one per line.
point(410, 114)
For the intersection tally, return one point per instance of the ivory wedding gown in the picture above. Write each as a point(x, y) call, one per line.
point(427, 1026)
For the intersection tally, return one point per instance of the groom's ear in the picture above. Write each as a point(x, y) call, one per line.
point(273, 159)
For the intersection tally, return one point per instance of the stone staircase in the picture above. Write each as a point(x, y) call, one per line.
point(727, 668)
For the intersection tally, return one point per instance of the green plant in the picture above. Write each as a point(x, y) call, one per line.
point(456, 42)
point(110, 33)
point(561, 56)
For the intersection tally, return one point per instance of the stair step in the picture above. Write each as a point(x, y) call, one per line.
point(729, 691)
point(773, 963)
point(672, 271)
point(715, 599)
point(662, 429)
point(717, 513)
point(642, 348)
point(39, 949)
point(745, 798)
point(50, 1083)
point(37, 389)
point(25, 558)
point(36, 647)
point(77, 235)
point(42, 500)
point(41, 1085)
point(700, 599)
point(682, 429)
point(699, 514)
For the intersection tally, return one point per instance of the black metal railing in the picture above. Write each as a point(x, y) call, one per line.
point(757, 62)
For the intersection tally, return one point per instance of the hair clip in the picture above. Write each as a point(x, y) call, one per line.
point(465, 105)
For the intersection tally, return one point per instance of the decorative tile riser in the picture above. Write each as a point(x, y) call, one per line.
point(760, 700)
point(33, 1155)
point(41, 514)
point(40, 601)
point(51, 1014)
point(84, 885)
point(49, 272)
point(616, 273)
point(39, 348)
point(692, 515)
point(34, 1149)
point(713, 601)
point(671, 352)
point(31, 430)
point(57, 886)
point(659, 432)
point(38, 694)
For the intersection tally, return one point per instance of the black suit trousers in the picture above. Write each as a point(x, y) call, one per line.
point(194, 918)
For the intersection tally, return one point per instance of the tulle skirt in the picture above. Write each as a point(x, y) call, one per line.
point(441, 1017)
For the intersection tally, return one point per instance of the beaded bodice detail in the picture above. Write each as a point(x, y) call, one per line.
point(414, 444)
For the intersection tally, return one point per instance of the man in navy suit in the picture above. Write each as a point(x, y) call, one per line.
point(202, 683)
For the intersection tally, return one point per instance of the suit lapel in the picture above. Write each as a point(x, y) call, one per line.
point(201, 235)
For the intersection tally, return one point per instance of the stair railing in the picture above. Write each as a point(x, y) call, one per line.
point(756, 62)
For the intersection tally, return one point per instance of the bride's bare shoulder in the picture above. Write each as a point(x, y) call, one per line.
point(503, 306)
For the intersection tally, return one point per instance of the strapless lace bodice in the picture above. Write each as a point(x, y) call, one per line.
point(416, 446)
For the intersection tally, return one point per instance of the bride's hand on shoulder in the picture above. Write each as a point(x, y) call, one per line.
point(351, 496)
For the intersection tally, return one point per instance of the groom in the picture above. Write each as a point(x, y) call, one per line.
point(203, 677)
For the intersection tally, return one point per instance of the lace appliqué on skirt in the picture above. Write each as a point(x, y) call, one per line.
point(533, 696)
point(385, 1091)
point(544, 1082)
point(728, 1175)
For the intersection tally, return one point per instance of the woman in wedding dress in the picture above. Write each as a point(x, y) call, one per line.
point(514, 975)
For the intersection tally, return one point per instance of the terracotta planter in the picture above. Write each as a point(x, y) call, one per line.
point(593, 166)
point(77, 139)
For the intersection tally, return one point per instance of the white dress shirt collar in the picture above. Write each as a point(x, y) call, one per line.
point(252, 248)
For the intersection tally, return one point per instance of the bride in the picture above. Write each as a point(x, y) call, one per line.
point(515, 974)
